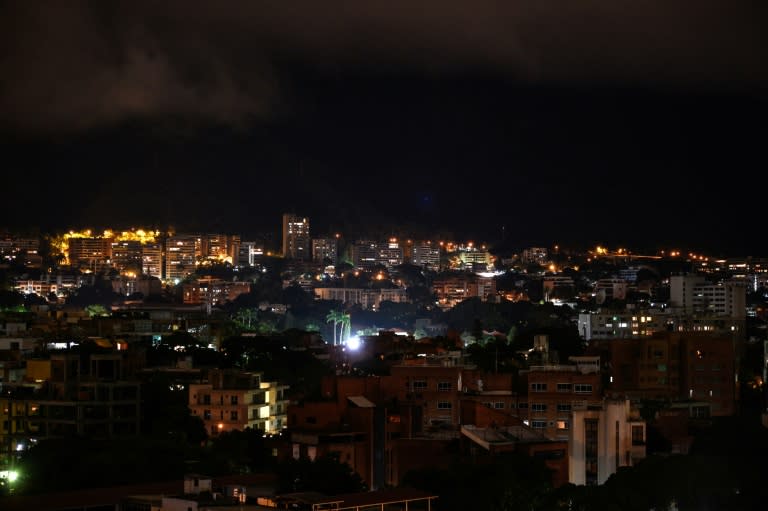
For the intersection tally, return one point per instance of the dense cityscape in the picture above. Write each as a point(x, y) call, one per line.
point(347, 256)
point(386, 365)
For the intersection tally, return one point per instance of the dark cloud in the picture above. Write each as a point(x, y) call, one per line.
point(609, 119)
point(74, 64)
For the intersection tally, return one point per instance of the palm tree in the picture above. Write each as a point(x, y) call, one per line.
point(335, 317)
point(346, 322)
point(245, 317)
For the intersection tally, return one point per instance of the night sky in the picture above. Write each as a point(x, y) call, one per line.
point(606, 121)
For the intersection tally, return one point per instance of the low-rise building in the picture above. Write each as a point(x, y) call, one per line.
point(235, 400)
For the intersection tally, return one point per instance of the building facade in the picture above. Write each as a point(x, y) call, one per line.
point(235, 400)
point(556, 390)
point(602, 439)
point(296, 239)
point(180, 257)
point(367, 298)
point(325, 249)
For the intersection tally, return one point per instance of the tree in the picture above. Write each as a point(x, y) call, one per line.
point(508, 481)
point(334, 317)
point(325, 474)
point(166, 413)
point(246, 316)
point(11, 299)
point(346, 323)
point(96, 310)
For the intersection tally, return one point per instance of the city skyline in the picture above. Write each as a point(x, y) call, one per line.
point(535, 125)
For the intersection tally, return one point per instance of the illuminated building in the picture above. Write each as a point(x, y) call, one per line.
point(180, 252)
point(367, 298)
point(219, 247)
point(477, 259)
point(452, 289)
point(38, 287)
point(213, 291)
point(367, 254)
point(127, 256)
point(90, 254)
point(534, 255)
point(425, 254)
point(248, 252)
point(363, 254)
point(621, 325)
point(390, 253)
point(694, 294)
point(296, 240)
point(325, 248)
point(152, 260)
point(24, 250)
point(235, 400)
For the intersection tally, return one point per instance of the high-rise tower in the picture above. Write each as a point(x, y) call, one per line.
point(296, 240)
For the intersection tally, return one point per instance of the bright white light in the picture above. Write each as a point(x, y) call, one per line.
point(10, 475)
point(490, 273)
point(353, 343)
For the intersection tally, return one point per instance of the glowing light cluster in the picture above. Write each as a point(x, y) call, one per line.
point(60, 244)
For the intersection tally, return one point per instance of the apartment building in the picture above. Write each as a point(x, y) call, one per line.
point(556, 390)
point(325, 249)
point(453, 289)
point(180, 257)
point(622, 325)
point(81, 397)
point(603, 438)
point(676, 366)
point(296, 238)
point(426, 254)
point(235, 400)
point(694, 294)
point(367, 298)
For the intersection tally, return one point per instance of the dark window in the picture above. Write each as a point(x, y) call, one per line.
point(638, 437)
point(590, 451)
